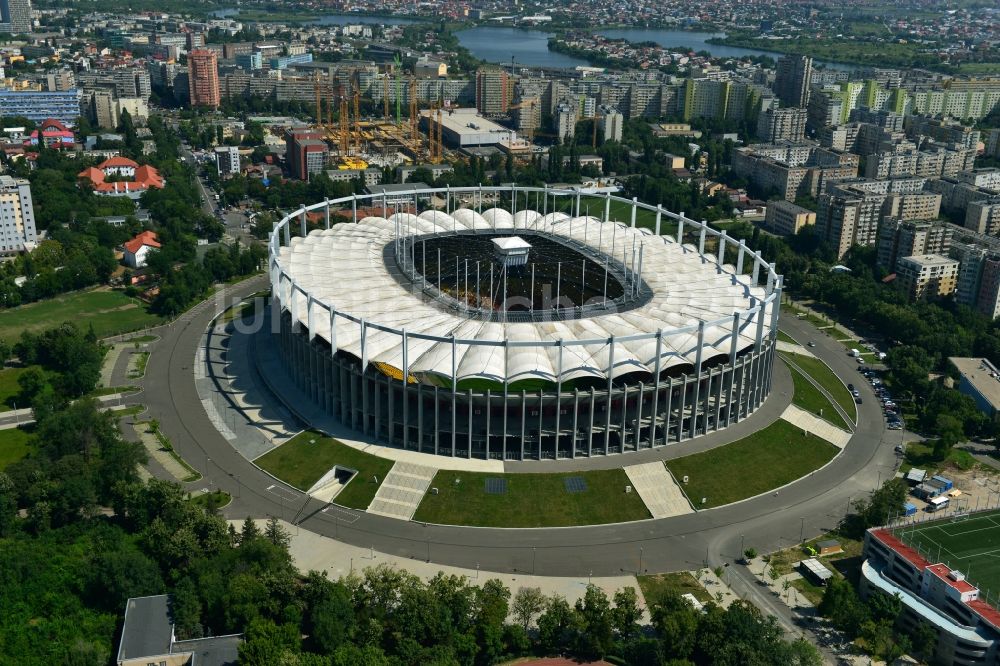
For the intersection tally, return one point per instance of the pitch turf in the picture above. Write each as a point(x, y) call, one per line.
point(970, 544)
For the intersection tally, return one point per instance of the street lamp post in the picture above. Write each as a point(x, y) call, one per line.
point(802, 530)
point(533, 552)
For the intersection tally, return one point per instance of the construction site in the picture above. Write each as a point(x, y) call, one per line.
point(357, 142)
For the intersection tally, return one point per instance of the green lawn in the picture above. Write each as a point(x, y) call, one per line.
point(9, 387)
point(657, 586)
point(811, 399)
point(109, 312)
point(784, 337)
point(301, 463)
point(14, 445)
point(216, 498)
point(826, 378)
point(531, 500)
point(922, 456)
point(767, 459)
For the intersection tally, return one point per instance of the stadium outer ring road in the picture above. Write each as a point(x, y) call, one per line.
point(809, 506)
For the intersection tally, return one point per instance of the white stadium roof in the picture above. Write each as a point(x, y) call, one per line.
point(344, 266)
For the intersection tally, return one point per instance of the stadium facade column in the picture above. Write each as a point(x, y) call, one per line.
point(657, 383)
point(697, 376)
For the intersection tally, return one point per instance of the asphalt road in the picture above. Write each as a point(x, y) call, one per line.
point(806, 508)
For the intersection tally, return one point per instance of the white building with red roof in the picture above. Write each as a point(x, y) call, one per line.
point(138, 249)
point(933, 594)
point(127, 178)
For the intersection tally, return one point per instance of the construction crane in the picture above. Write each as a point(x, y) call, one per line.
point(398, 70)
point(319, 102)
point(434, 131)
point(414, 135)
point(345, 132)
point(357, 122)
point(385, 97)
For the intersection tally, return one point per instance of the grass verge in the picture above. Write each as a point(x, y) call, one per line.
point(784, 337)
point(826, 378)
point(765, 460)
point(302, 460)
point(217, 499)
point(531, 500)
point(812, 400)
point(139, 368)
point(108, 312)
point(9, 388)
point(14, 444)
point(657, 586)
point(922, 456)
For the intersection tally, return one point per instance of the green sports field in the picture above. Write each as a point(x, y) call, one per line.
point(970, 544)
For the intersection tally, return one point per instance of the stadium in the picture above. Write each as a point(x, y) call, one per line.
point(501, 323)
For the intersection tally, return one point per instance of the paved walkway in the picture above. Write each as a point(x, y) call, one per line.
point(794, 348)
point(156, 451)
point(313, 552)
point(417, 458)
point(658, 489)
point(401, 490)
point(816, 426)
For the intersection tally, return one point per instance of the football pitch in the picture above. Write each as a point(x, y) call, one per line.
point(970, 544)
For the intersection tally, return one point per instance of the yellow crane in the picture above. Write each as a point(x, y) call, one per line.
point(357, 122)
point(345, 132)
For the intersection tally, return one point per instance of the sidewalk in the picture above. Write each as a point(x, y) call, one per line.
point(312, 551)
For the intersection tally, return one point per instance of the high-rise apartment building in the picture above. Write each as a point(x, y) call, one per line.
point(493, 91)
point(17, 215)
point(611, 123)
point(227, 160)
point(15, 16)
point(791, 83)
point(905, 238)
point(927, 276)
point(566, 116)
point(203, 78)
point(785, 124)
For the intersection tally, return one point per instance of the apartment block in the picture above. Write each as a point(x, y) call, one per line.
point(203, 78)
point(905, 238)
point(17, 215)
point(785, 124)
point(306, 153)
point(786, 218)
point(927, 276)
point(792, 81)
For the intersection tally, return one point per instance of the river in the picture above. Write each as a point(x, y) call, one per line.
point(531, 47)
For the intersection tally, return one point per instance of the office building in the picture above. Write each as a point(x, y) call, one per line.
point(250, 61)
point(785, 124)
point(927, 276)
point(787, 219)
point(611, 123)
point(493, 91)
point(17, 216)
point(306, 153)
point(15, 16)
point(40, 105)
point(203, 78)
point(791, 83)
point(227, 160)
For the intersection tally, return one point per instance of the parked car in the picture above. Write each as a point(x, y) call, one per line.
point(850, 387)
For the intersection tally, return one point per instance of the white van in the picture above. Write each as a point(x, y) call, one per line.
point(937, 504)
point(855, 353)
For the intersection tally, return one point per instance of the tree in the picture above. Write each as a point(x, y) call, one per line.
point(626, 614)
point(276, 534)
point(594, 611)
point(557, 626)
point(841, 605)
point(528, 602)
point(749, 554)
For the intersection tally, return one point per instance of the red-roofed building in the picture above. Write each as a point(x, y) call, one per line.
point(51, 134)
point(129, 179)
point(137, 249)
point(968, 628)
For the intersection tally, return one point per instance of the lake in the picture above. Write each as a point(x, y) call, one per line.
point(528, 47)
point(698, 41)
point(531, 47)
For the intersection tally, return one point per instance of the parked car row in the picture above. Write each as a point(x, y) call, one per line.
point(893, 419)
